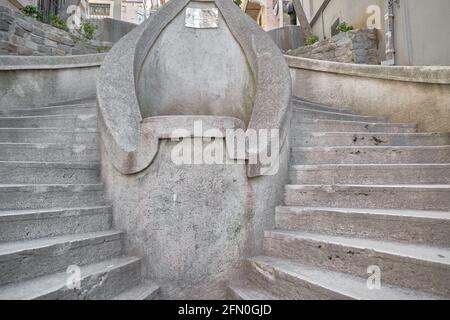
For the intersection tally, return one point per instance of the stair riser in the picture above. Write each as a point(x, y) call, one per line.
point(410, 230)
point(90, 138)
point(68, 123)
point(54, 224)
point(377, 198)
point(17, 174)
point(333, 139)
point(40, 198)
point(50, 111)
point(299, 115)
point(371, 156)
point(49, 259)
point(299, 129)
point(375, 175)
point(400, 271)
point(101, 286)
point(80, 153)
point(286, 286)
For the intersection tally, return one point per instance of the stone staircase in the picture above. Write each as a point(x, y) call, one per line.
point(363, 193)
point(53, 213)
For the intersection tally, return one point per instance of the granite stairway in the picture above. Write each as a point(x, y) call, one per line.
point(54, 219)
point(365, 196)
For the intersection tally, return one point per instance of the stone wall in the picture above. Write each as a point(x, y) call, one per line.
point(25, 36)
point(356, 46)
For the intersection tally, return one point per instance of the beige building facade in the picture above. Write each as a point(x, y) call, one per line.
point(415, 31)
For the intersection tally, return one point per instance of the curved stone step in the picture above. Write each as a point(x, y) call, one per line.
point(299, 128)
point(54, 110)
point(46, 135)
point(68, 122)
point(21, 197)
point(370, 155)
point(21, 172)
point(430, 173)
point(409, 226)
point(302, 282)
point(422, 268)
point(103, 280)
point(49, 152)
point(143, 291)
point(300, 113)
point(415, 197)
point(19, 225)
point(22, 260)
point(330, 139)
point(317, 107)
point(249, 292)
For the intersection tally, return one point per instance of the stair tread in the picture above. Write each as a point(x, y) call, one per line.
point(24, 245)
point(418, 252)
point(50, 116)
point(381, 212)
point(344, 284)
point(40, 286)
point(30, 213)
point(370, 165)
point(335, 121)
point(144, 291)
point(50, 164)
point(373, 147)
point(330, 187)
point(252, 292)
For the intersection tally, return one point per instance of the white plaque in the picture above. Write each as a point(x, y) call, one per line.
point(202, 18)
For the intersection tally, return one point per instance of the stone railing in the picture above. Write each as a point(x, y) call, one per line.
point(22, 35)
point(401, 94)
point(24, 81)
point(355, 46)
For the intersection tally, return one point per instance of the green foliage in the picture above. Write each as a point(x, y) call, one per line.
point(88, 29)
point(58, 22)
point(344, 27)
point(32, 11)
point(311, 40)
point(237, 2)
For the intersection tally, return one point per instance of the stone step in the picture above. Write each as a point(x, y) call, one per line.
point(370, 155)
point(24, 260)
point(331, 139)
point(43, 196)
point(19, 225)
point(103, 280)
point(300, 113)
point(371, 174)
point(317, 107)
point(54, 110)
point(44, 135)
point(249, 292)
point(143, 291)
point(415, 197)
point(310, 125)
point(19, 172)
point(68, 122)
point(421, 268)
point(49, 152)
point(410, 226)
point(293, 280)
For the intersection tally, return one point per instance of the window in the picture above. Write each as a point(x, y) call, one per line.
point(99, 9)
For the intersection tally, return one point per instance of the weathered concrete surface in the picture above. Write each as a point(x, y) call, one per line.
point(193, 224)
point(401, 94)
point(112, 30)
point(27, 82)
point(287, 37)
